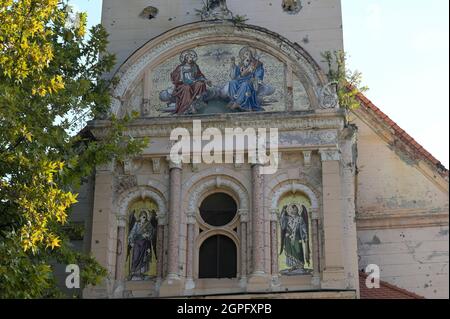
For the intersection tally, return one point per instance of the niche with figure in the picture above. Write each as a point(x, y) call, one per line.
point(141, 259)
point(294, 235)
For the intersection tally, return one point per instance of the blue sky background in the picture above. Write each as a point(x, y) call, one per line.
point(402, 49)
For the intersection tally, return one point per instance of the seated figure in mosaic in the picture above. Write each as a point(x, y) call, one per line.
point(189, 82)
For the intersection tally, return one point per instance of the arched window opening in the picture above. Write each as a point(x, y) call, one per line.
point(218, 258)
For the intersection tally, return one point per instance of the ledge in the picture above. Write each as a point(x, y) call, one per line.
point(401, 219)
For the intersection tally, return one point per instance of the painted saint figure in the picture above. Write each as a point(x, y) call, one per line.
point(295, 236)
point(142, 243)
point(189, 81)
point(247, 77)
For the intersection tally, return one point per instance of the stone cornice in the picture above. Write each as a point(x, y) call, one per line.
point(402, 219)
point(163, 126)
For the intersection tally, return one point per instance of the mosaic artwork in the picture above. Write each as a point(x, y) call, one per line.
point(295, 236)
point(219, 78)
point(142, 233)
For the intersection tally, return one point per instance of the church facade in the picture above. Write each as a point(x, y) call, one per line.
point(340, 190)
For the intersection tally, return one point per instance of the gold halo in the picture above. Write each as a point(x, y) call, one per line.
point(138, 213)
point(247, 49)
point(185, 53)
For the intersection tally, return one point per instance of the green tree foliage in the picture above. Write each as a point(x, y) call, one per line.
point(50, 85)
point(348, 83)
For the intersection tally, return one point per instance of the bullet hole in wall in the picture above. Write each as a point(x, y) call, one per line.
point(149, 13)
point(291, 6)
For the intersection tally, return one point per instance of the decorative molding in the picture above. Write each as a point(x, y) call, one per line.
point(307, 158)
point(330, 155)
point(132, 165)
point(326, 120)
point(293, 187)
point(139, 193)
point(401, 219)
point(214, 182)
point(156, 165)
point(328, 98)
point(216, 10)
point(124, 183)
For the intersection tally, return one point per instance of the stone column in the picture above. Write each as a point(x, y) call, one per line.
point(172, 285)
point(333, 270)
point(315, 247)
point(244, 269)
point(121, 248)
point(258, 220)
point(274, 247)
point(190, 284)
point(259, 279)
point(174, 219)
point(162, 222)
point(119, 285)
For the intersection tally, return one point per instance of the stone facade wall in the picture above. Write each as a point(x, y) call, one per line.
point(317, 27)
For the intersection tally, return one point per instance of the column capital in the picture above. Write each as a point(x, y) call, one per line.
point(314, 214)
point(106, 167)
point(191, 220)
point(274, 215)
point(162, 219)
point(328, 155)
point(174, 163)
point(243, 214)
point(121, 221)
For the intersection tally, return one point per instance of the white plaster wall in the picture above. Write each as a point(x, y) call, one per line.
point(415, 259)
point(317, 28)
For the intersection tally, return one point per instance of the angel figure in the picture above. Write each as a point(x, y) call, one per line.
point(295, 236)
point(142, 243)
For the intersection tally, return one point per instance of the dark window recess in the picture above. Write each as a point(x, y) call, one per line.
point(218, 258)
point(218, 209)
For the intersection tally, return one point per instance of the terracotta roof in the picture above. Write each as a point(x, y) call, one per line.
point(416, 148)
point(386, 291)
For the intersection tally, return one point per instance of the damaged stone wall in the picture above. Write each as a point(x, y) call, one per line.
point(317, 27)
point(415, 259)
point(402, 215)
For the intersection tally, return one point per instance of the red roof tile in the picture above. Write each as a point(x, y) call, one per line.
point(402, 135)
point(386, 291)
